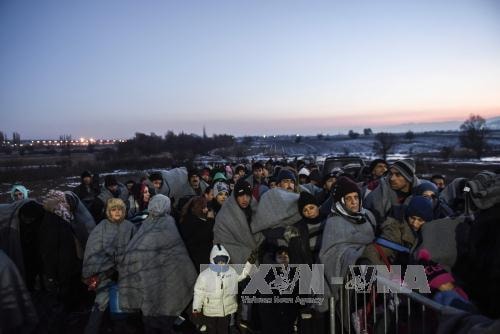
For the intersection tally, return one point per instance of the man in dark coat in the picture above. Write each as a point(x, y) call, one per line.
point(86, 191)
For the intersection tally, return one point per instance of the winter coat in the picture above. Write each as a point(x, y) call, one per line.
point(61, 254)
point(397, 232)
point(216, 288)
point(198, 236)
point(87, 194)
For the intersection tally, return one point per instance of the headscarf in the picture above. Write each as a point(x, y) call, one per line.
point(55, 202)
point(19, 188)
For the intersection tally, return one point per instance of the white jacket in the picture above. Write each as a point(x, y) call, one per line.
point(215, 292)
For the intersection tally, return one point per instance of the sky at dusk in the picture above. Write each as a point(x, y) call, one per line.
point(107, 68)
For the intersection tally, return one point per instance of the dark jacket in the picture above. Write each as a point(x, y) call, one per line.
point(61, 256)
point(198, 237)
point(86, 194)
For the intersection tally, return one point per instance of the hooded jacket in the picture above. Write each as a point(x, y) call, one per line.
point(216, 288)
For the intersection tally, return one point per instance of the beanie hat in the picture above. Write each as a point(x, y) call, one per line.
point(219, 177)
point(421, 207)
point(86, 174)
point(343, 187)
point(406, 167)
point(220, 187)
point(374, 164)
point(306, 198)
point(285, 174)
point(155, 176)
point(109, 181)
point(241, 188)
point(425, 186)
point(436, 274)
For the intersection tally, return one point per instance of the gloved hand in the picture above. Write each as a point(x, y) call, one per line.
point(253, 257)
point(290, 232)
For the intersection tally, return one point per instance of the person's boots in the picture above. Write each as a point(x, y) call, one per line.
point(94, 323)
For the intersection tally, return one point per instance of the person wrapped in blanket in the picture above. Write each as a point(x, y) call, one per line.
point(105, 249)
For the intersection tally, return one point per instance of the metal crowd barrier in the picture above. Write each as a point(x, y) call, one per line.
point(396, 309)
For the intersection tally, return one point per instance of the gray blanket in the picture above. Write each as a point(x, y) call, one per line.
point(342, 244)
point(83, 223)
point(231, 229)
point(277, 208)
point(106, 246)
point(439, 238)
point(310, 188)
point(156, 275)
point(383, 201)
point(10, 241)
point(453, 191)
point(175, 184)
point(17, 313)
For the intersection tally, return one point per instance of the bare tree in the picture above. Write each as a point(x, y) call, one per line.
point(352, 134)
point(384, 141)
point(473, 135)
point(410, 135)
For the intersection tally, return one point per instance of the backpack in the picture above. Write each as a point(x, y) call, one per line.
point(484, 190)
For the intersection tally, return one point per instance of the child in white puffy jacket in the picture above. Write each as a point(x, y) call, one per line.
point(216, 289)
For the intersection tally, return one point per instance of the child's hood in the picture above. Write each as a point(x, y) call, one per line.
point(218, 250)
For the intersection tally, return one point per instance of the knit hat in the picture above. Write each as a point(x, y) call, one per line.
point(219, 177)
point(109, 181)
point(425, 186)
point(85, 174)
point(374, 164)
point(343, 187)
point(241, 188)
point(220, 187)
point(306, 198)
point(285, 174)
point(406, 167)
point(436, 274)
point(421, 207)
point(315, 176)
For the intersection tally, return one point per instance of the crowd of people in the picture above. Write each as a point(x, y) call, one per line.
point(156, 254)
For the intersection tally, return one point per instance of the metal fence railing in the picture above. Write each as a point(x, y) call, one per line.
point(360, 308)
